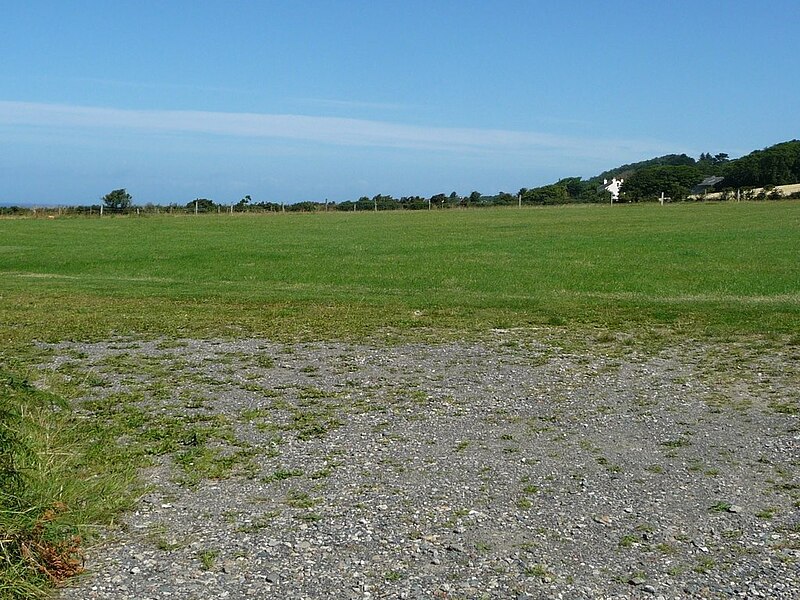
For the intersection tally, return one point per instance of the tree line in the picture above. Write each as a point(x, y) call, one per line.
point(673, 175)
point(676, 175)
point(679, 174)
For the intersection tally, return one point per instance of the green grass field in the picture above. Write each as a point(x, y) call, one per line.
point(698, 269)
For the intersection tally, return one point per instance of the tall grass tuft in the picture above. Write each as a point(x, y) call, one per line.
point(14, 444)
point(58, 481)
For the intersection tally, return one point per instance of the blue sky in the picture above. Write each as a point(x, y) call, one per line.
point(291, 101)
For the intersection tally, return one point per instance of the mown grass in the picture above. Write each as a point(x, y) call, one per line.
point(704, 268)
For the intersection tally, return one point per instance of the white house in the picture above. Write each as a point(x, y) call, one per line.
point(613, 187)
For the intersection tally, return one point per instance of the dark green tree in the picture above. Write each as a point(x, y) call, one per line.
point(118, 199)
point(385, 202)
point(504, 199)
point(438, 200)
point(306, 206)
point(365, 203)
point(573, 187)
point(626, 171)
point(776, 165)
point(474, 198)
point(555, 193)
point(648, 184)
point(414, 202)
point(203, 205)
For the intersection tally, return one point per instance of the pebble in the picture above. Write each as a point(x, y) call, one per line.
point(602, 519)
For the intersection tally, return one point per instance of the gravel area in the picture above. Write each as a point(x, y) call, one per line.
point(505, 468)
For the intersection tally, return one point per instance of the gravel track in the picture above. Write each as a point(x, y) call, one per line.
point(505, 468)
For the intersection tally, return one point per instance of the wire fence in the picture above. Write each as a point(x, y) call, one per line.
point(202, 206)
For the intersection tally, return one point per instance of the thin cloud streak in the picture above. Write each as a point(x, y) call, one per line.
point(327, 130)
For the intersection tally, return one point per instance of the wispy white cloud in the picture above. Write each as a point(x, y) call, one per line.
point(326, 130)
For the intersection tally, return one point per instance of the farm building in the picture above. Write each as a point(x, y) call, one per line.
point(707, 185)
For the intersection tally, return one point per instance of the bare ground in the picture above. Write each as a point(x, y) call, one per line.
point(504, 468)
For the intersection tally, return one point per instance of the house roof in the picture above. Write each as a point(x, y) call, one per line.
point(710, 181)
point(706, 184)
